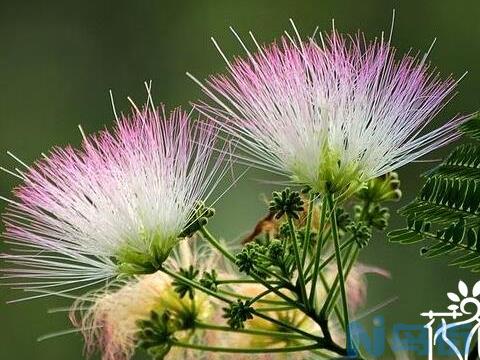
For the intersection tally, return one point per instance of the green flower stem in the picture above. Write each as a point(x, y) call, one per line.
point(260, 332)
point(287, 299)
point(275, 308)
point(216, 244)
point(281, 324)
point(235, 281)
point(318, 254)
point(338, 255)
point(245, 350)
point(266, 284)
point(240, 296)
point(350, 258)
point(301, 276)
point(337, 310)
point(220, 297)
point(211, 239)
point(332, 256)
point(350, 262)
point(283, 279)
point(331, 295)
point(261, 295)
point(321, 238)
point(308, 226)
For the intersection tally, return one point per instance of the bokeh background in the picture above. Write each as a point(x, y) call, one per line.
point(58, 59)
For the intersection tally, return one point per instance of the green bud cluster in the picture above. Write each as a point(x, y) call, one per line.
point(249, 257)
point(376, 215)
point(275, 252)
point(199, 216)
point(209, 280)
point(286, 202)
point(361, 233)
point(156, 333)
point(380, 189)
point(237, 314)
point(181, 287)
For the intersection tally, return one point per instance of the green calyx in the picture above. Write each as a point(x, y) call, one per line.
point(338, 177)
point(209, 280)
point(331, 176)
point(131, 261)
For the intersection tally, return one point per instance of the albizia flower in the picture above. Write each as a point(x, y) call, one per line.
point(116, 205)
point(110, 319)
point(333, 113)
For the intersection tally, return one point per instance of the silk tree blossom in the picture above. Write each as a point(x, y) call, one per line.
point(116, 205)
point(334, 112)
point(110, 318)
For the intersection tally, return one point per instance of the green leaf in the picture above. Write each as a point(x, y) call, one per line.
point(446, 213)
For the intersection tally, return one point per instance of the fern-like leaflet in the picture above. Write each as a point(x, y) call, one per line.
point(446, 213)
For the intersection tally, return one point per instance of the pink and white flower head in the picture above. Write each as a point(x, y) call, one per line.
point(117, 205)
point(330, 113)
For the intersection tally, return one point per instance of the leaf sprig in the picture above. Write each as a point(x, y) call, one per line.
point(446, 213)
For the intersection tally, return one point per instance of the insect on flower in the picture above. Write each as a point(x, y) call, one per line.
point(329, 113)
point(117, 205)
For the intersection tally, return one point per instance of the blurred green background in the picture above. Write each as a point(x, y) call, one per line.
point(58, 60)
